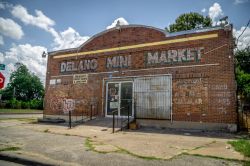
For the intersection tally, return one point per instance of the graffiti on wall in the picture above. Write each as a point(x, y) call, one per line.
point(56, 104)
point(170, 56)
point(65, 105)
point(68, 105)
point(190, 91)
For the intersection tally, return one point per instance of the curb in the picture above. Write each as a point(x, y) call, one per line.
point(1, 113)
point(23, 161)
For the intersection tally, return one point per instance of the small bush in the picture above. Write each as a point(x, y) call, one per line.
point(15, 104)
point(36, 104)
point(25, 105)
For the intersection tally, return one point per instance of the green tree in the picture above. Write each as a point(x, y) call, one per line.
point(243, 72)
point(189, 21)
point(23, 86)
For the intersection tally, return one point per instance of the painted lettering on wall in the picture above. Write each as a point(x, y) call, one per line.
point(80, 78)
point(190, 91)
point(82, 65)
point(118, 62)
point(221, 95)
point(92, 64)
point(174, 56)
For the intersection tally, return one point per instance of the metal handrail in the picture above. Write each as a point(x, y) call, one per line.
point(113, 113)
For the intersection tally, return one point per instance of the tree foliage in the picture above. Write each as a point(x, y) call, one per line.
point(189, 21)
point(243, 72)
point(23, 86)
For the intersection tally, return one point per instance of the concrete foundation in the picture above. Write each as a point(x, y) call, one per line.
point(66, 117)
point(188, 125)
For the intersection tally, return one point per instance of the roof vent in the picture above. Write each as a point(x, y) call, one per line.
point(118, 25)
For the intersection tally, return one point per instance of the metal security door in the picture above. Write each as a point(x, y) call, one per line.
point(153, 97)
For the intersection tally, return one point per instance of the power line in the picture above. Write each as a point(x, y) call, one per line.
point(242, 32)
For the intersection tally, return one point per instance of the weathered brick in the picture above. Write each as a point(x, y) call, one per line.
point(204, 93)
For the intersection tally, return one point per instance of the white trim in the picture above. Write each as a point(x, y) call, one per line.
point(171, 99)
point(119, 107)
point(212, 64)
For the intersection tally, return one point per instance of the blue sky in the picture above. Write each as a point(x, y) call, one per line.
point(27, 27)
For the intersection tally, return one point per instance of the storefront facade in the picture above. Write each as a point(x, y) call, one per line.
point(179, 77)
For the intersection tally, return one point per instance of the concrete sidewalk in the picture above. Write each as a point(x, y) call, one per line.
point(54, 143)
point(156, 143)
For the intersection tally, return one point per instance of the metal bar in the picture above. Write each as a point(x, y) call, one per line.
point(113, 121)
point(121, 122)
point(82, 115)
point(70, 119)
point(128, 116)
point(135, 112)
point(91, 108)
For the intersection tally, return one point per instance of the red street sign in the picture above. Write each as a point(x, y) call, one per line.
point(2, 79)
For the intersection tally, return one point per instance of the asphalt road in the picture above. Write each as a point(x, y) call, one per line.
point(56, 149)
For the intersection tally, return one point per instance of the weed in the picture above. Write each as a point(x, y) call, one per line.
point(12, 148)
point(121, 150)
point(46, 130)
point(88, 144)
point(242, 146)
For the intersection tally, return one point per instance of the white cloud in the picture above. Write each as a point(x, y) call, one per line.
point(40, 20)
point(1, 40)
point(204, 10)
point(2, 6)
point(215, 12)
point(244, 40)
point(236, 2)
point(5, 5)
point(63, 40)
point(69, 39)
point(29, 55)
point(120, 19)
point(10, 28)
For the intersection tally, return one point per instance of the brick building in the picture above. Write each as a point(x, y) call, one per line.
point(184, 79)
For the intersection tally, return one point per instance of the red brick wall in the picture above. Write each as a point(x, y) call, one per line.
point(200, 93)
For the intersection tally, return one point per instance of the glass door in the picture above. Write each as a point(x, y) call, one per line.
point(126, 98)
point(113, 103)
point(119, 98)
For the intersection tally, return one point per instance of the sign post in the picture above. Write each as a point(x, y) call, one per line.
point(2, 66)
point(2, 79)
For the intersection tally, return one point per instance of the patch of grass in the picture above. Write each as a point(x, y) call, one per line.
point(247, 163)
point(16, 111)
point(29, 120)
point(121, 150)
point(67, 134)
point(198, 147)
point(88, 144)
point(12, 148)
point(242, 146)
point(46, 130)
